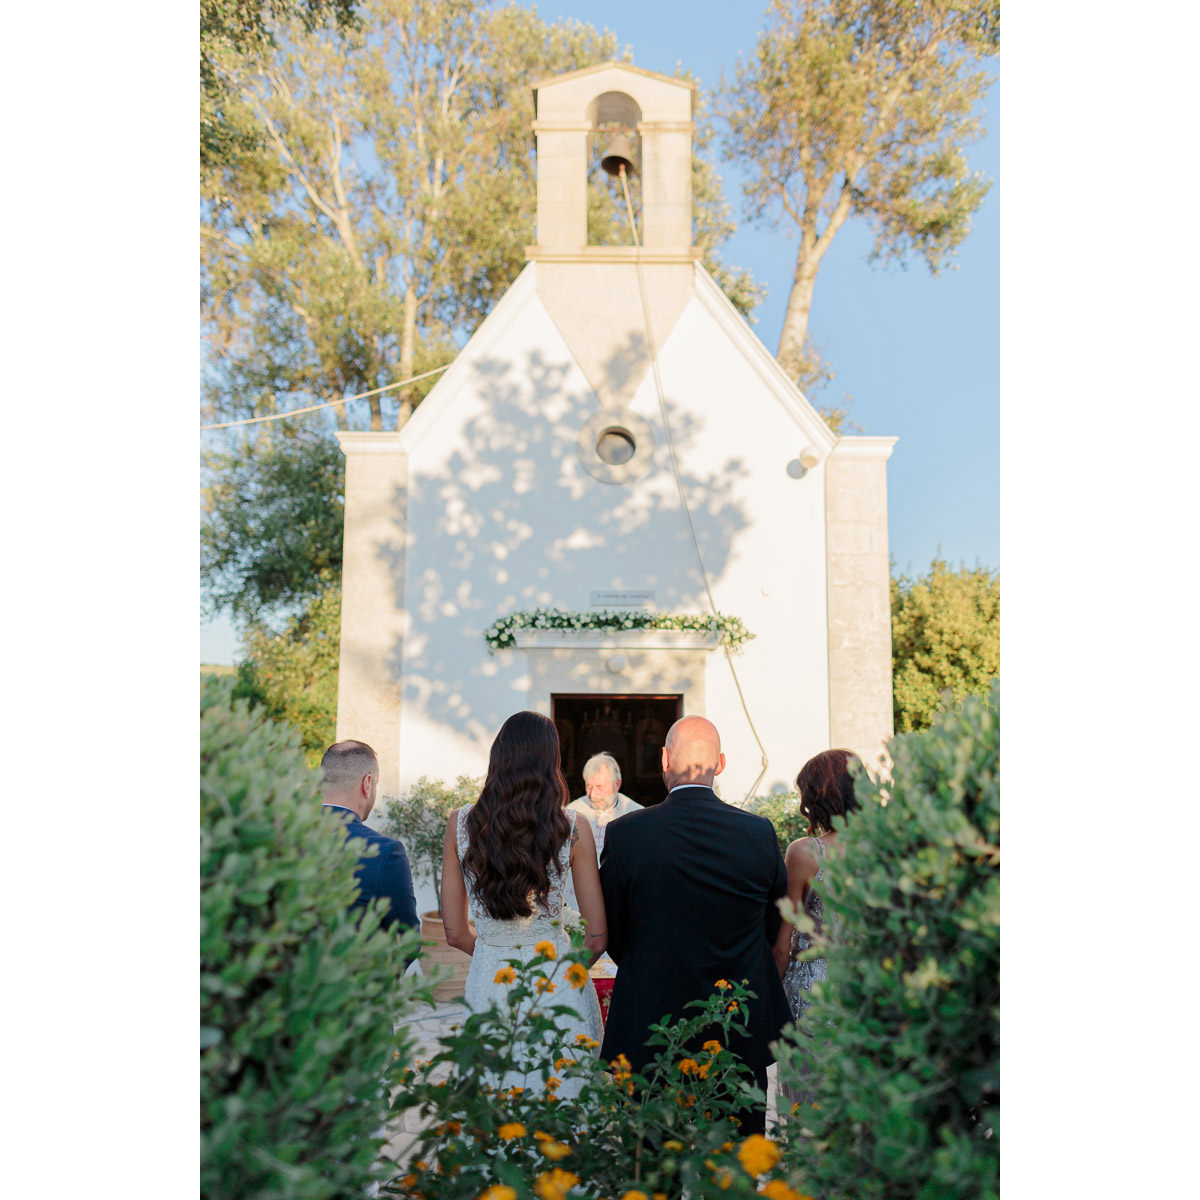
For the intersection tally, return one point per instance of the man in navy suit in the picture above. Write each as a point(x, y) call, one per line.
point(690, 890)
point(350, 776)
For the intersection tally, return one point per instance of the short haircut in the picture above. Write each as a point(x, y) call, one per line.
point(603, 759)
point(826, 786)
point(348, 762)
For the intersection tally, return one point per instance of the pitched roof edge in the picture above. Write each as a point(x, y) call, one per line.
point(737, 328)
point(490, 330)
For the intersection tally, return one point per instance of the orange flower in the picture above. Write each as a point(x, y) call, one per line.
point(543, 984)
point(778, 1190)
point(577, 975)
point(499, 1191)
point(757, 1154)
point(554, 1150)
point(510, 1130)
point(722, 984)
point(542, 1137)
point(688, 1066)
point(588, 1043)
point(672, 1145)
point(546, 950)
point(553, 1084)
point(505, 975)
point(450, 1127)
point(621, 1065)
point(712, 1046)
point(732, 1006)
point(554, 1185)
point(634, 1194)
point(561, 1063)
point(702, 1070)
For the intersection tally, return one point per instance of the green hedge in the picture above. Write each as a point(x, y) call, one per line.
point(782, 809)
point(906, 1055)
point(296, 1002)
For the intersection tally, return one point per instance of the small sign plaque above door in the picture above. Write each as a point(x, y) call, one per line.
point(629, 599)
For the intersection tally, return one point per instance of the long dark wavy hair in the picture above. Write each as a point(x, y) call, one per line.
point(826, 787)
point(517, 826)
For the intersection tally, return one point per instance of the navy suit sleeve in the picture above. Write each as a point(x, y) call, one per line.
point(777, 891)
point(397, 886)
point(611, 886)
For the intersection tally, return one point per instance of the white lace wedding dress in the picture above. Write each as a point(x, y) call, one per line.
point(498, 940)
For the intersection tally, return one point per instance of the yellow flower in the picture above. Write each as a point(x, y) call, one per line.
point(543, 984)
point(554, 1150)
point(510, 1130)
point(621, 1065)
point(577, 975)
point(757, 1154)
point(722, 984)
point(515, 1092)
point(634, 1194)
point(778, 1190)
point(726, 1147)
point(672, 1145)
point(688, 1066)
point(553, 1084)
point(554, 1185)
point(499, 1191)
point(588, 1043)
point(505, 975)
point(546, 950)
point(560, 1063)
point(712, 1046)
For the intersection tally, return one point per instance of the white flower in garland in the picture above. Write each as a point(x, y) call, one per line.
point(500, 634)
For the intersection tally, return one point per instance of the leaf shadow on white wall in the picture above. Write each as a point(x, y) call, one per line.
point(512, 520)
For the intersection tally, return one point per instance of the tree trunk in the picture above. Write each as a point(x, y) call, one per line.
point(791, 353)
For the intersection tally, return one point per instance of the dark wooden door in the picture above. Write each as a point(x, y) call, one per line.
point(630, 728)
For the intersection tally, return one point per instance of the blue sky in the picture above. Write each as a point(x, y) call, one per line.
point(919, 355)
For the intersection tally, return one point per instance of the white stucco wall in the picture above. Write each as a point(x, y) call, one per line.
point(502, 515)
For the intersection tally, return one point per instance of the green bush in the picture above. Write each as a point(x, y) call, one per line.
point(782, 809)
point(418, 817)
point(297, 1002)
point(906, 1047)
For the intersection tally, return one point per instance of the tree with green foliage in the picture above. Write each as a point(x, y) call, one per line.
point(241, 27)
point(293, 674)
point(297, 996)
point(945, 637)
point(861, 108)
point(904, 1035)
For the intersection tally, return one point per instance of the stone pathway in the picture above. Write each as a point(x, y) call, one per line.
point(428, 1027)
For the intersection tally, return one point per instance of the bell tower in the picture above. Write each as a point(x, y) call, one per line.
point(653, 114)
point(643, 121)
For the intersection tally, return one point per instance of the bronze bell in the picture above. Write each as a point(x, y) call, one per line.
point(620, 152)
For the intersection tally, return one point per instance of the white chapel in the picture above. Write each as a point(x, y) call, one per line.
point(615, 437)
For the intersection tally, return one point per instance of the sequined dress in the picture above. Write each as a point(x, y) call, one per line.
point(800, 975)
point(498, 940)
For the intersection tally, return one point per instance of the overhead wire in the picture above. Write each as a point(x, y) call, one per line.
point(687, 512)
point(297, 412)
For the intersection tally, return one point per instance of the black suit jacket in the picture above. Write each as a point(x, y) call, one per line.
point(690, 887)
point(385, 874)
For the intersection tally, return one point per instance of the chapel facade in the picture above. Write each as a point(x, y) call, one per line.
point(615, 436)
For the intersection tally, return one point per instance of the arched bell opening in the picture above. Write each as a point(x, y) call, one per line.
point(614, 149)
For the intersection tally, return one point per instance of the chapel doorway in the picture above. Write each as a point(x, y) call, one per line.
point(630, 728)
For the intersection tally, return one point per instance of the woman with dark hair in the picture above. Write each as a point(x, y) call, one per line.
point(826, 787)
point(506, 861)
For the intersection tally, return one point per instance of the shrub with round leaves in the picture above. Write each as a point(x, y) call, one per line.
point(297, 1000)
point(904, 1033)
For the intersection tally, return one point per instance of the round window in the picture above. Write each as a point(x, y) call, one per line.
point(615, 446)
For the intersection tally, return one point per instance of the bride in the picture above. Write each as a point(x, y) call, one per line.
point(506, 862)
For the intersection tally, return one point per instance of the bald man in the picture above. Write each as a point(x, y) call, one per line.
point(690, 890)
